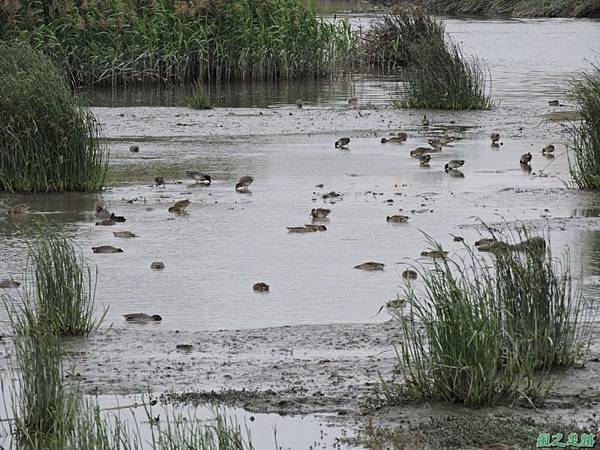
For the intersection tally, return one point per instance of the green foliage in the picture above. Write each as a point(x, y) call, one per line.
point(48, 141)
point(483, 334)
point(57, 297)
point(585, 135)
point(128, 41)
point(199, 99)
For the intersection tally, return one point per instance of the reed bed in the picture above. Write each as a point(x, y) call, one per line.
point(514, 8)
point(58, 295)
point(389, 44)
point(131, 41)
point(487, 332)
point(585, 135)
point(48, 141)
point(443, 78)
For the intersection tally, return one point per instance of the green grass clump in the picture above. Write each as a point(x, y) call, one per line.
point(389, 43)
point(48, 141)
point(479, 333)
point(585, 135)
point(443, 78)
point(199, 99)
point(129, 41)
point(43, 404)
point(57, 297)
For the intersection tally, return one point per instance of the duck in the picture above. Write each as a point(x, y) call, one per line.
point(409, 274)
point(342, 143)
point(548, 149)
point(106, 249)
point(179, 206)
point(553, 103)
point(419, 151)
point(159, 181)
point(134, 148)
point(370, 265)
point(199, 177)
point(243, 183)
point(454, 164)
point(397, 218)
point(315, 227)
point(398, 138)
point(494, 137)
point(425, 121)
point(526, 158)
point(331, 195)
point(18, 209)
point(299, 104)
point(434, 254)
point(117, 218)
point(320, 213)
point(124, 234)
point(260, 287)
point(142, 317)
point(157, 265)
point(438, 143)
point(9, 284)
point(353, 102)
point(106, 223)
point(424, 160)
point(493, 245)
point(299, 230)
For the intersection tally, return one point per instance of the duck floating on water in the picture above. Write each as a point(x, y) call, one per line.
point(124, 234)
point(134, 148)
point(370, 265)
point(106, 249)
point(397, 218)
point(425, 121)
point(420, 151)
point(396, 139)
point(494, 137)
point(157, 265)
point(548, 149)
point(342, 143)
point(9, 284)
point(243, 183)
point(260, 287)
point(102, 212)
point(409, 274)
point(526, 158)
point(117, 218)
point(142, 317)
point(434, 254)
point(315, 227)
point(106, 223)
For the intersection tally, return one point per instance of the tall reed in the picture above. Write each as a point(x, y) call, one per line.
point(480, 332)
point(58, 295)
point(585, 135)
point(130, 41)
point(48, 141)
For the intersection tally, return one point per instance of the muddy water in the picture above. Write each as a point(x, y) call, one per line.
point(229, 241)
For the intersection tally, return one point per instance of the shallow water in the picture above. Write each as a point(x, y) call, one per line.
point(229, 241)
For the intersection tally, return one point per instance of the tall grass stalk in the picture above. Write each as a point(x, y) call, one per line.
point(199, 98)
point(58, 295)
point(585, 135)
point(480, 331)
point(48, 141)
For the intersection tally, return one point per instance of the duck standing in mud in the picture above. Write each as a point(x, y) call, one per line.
point(396, 139)
point(106, 249)
point(494, 137)
point(424, 160)
point(420, 151)
point(548, 150)
point(525, 159)
point(243, 183)
point(179, 206)
point(342, 143)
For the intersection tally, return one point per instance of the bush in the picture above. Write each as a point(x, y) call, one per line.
point(489, 329)
point(48, 141)
point(199, 99)
point(585, 135)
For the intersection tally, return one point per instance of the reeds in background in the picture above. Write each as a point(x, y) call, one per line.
point(48, 141)
point(585, 135)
